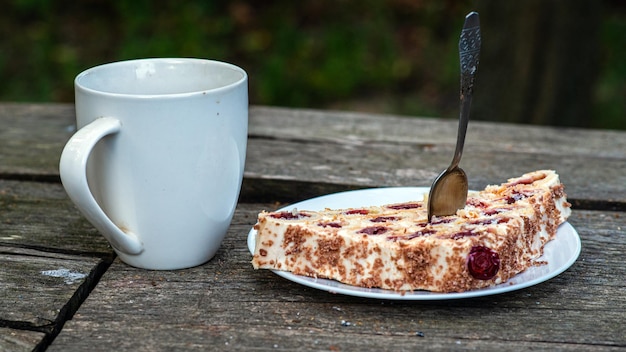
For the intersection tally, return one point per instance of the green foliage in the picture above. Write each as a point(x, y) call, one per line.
point(393, 56)
point(610, 92)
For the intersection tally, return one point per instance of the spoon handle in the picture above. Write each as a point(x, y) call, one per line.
point(469, 52)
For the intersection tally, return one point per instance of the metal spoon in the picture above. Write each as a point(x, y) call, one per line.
point(449, 190)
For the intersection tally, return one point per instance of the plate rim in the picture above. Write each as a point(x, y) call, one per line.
point(336, 287)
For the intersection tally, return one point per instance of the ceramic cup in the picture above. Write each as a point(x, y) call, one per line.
point(157, 162)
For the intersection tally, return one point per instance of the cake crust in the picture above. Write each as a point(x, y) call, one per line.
point(501, 232)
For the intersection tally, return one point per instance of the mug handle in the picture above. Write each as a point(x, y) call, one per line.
point(73, 171)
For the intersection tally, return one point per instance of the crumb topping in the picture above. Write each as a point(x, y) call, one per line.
point(500, 232)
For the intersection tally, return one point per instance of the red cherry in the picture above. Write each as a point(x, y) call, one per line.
point(483, 263)
point(490, 221)
point(464, 233)
point(384, 219)
point(404, 206)
point(357, 212)
point(329, 224)
point(421, 233)
point(476, 203)
point(373, 230)
point(288, 215)
point(439, 220)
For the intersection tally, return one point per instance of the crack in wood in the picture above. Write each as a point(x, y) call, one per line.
point(43, 249)
point(279, 190)
point(598, 205)
point(53, 328)
point(71, 307)
point(257, 190)
point(43, 178)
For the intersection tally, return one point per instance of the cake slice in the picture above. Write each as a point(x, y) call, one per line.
point(500, 233)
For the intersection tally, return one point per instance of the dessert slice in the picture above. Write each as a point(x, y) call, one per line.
point(500, 233)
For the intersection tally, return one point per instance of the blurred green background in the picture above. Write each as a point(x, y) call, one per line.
point(551, 62)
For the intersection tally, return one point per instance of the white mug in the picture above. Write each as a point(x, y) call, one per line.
point(157, 162)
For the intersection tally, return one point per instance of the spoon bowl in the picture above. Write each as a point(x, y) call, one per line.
point(450, 190)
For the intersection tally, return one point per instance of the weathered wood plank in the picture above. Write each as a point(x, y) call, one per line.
point(40, 215)
point(227, 304)
point(14, 340)
point(359, 151)
point(369, 151)
point(360, 129)
point(332, 336)
point(345, 165)
point(32, 138)
point(41, 291)
point(36, 285)
point(50, 258)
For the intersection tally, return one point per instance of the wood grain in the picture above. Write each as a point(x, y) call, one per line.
point(227, 304)
point(50, 257)
point(32, 138)
point(41, 216)
point(296, 154)
point(16, 340)
point(329, 151)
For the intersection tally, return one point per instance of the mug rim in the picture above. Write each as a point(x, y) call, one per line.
point(81, 86)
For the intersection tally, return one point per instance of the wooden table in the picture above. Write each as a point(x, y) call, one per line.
point(63, 289)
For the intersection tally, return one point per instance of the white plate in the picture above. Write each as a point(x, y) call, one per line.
point(560, 253)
